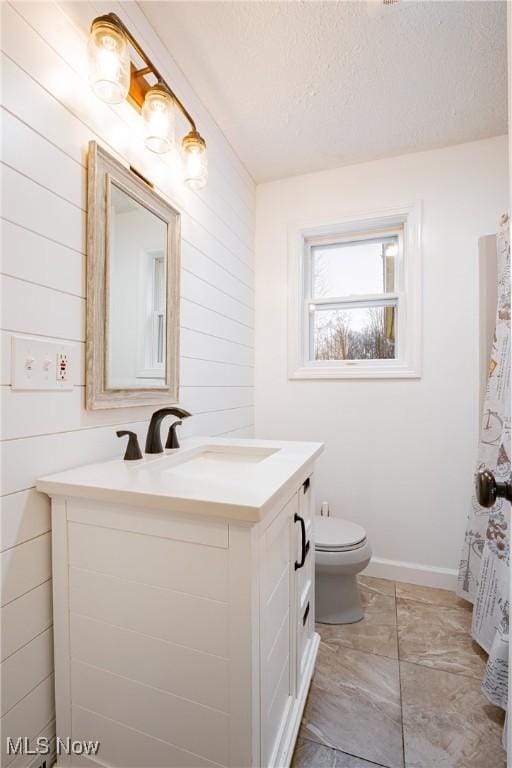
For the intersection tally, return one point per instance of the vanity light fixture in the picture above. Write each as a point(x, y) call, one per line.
point(114, 77)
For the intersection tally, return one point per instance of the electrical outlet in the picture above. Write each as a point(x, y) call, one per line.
point(62, 371)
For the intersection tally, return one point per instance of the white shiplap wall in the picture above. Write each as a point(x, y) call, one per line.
point(48, 117)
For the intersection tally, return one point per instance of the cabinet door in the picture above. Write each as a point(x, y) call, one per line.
point(277, 638)
point(305, 579)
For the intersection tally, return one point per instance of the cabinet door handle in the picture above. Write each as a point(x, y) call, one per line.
point(305, 485)
point(305, 545)
point(306, 614)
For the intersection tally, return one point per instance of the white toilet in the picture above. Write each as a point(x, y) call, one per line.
point(341, 552)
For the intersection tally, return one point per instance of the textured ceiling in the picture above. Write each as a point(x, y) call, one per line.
point(304, 86)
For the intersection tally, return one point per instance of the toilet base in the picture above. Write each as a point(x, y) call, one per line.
point(337, 600)
point(337, 595)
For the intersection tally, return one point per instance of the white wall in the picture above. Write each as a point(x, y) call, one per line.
point(49, 115)
point(399, 455)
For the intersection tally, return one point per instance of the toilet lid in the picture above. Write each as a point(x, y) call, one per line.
point(333, 533)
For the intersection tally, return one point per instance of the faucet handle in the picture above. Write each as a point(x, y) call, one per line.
point(133, 451)
point(172, 437)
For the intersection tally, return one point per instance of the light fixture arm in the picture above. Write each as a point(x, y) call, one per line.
point(114, 19)
point(142, 71)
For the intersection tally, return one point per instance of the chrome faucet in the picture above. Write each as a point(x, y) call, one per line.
point(153, 439)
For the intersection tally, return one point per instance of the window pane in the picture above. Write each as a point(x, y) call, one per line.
point(363, 333)
point(159, 285)
point(160, 340)
point(358, 267)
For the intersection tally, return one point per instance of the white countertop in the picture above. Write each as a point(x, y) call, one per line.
point(229, 478)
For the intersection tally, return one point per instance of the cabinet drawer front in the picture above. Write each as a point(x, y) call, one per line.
point(305, 630)
point(306, 500)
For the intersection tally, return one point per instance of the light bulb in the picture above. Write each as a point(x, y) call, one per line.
point(158, 114)
point(195, 160)
point(109, 62)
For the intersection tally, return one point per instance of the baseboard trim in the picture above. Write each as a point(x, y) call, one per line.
point(412, 573)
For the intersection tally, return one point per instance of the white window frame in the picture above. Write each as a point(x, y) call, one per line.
point(405, 221)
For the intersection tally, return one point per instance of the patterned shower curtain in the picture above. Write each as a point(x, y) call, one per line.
point(485, 563)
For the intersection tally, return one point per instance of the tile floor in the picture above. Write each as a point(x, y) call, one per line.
point(401, 688)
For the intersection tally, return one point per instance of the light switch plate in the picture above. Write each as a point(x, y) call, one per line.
point(42, 365)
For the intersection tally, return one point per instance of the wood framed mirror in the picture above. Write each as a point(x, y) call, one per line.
point(133, 292)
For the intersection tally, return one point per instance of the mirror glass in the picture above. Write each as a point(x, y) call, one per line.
point(136, 294)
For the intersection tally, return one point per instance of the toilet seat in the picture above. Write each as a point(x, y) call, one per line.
point(333, 534)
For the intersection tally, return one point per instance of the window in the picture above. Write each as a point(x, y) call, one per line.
point(152, 310)
point(357, 313)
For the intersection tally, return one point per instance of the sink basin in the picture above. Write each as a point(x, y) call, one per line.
point(239, 453)
point(215, 459)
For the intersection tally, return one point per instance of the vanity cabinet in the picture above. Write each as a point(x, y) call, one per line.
point(288, 646)
point(183, 640)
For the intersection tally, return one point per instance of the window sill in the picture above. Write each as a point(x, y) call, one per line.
point(356, 371)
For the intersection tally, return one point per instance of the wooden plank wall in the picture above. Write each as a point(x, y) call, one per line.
point(49, 115)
